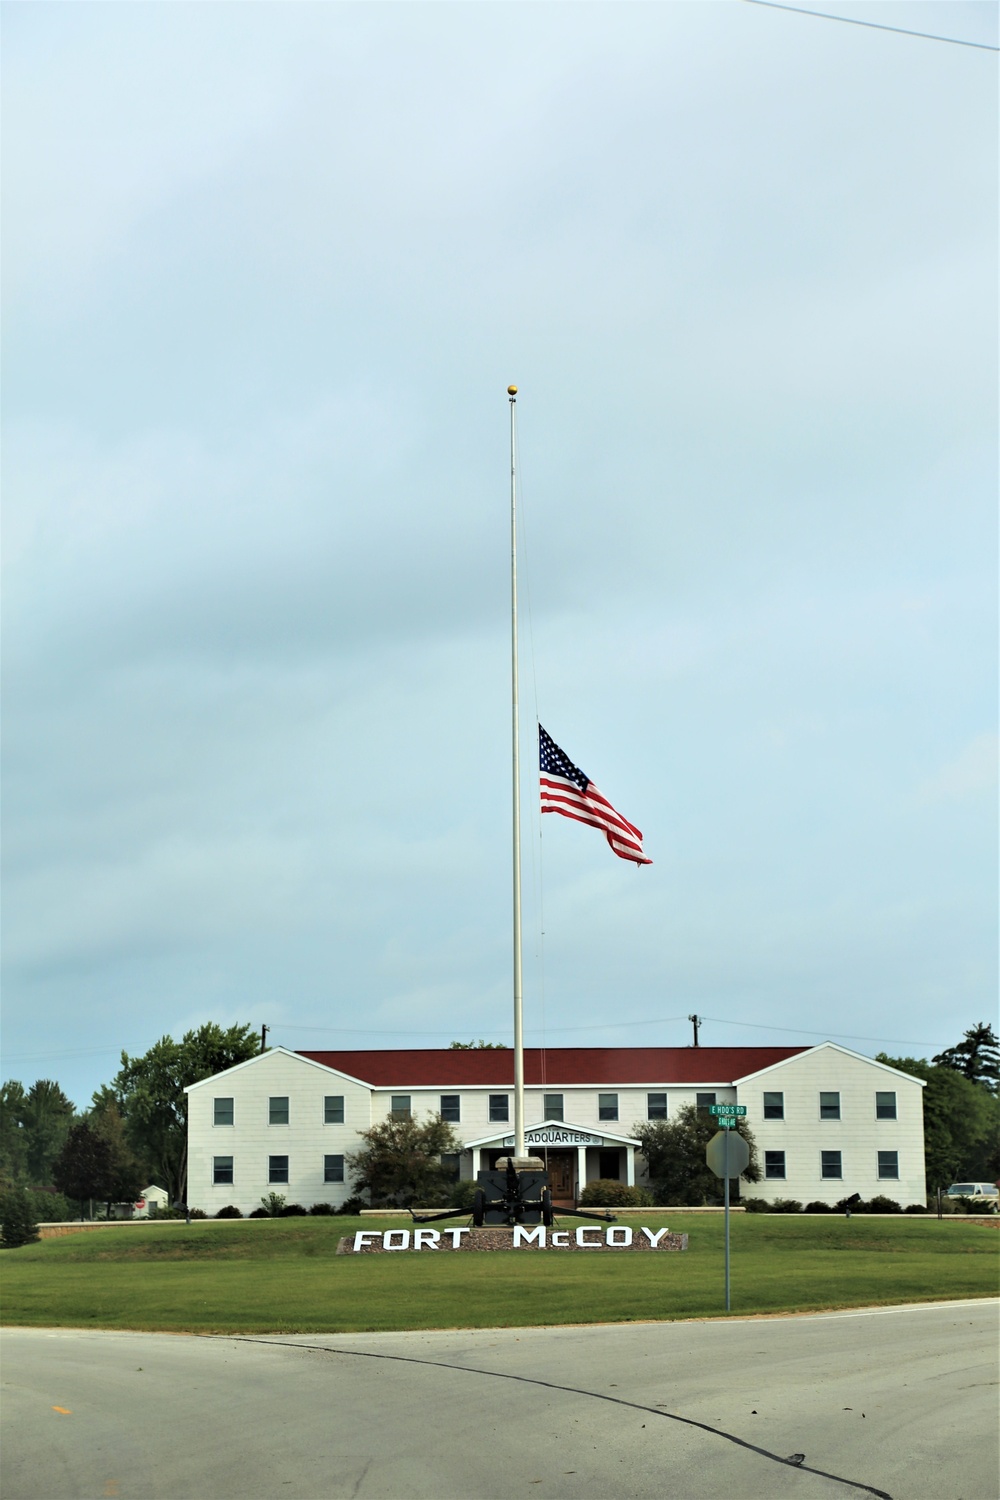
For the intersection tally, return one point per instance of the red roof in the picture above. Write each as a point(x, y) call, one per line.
point(555, 1065)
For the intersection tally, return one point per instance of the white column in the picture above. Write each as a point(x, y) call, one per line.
point(476, 1158)
point(581, 1169)
point(630, 1166)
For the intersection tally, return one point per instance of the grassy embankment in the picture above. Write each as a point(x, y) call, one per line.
point(283, 1275)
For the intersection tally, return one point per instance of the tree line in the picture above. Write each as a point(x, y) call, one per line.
point(134, 1133)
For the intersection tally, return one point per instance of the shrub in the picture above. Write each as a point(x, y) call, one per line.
point(272, 1204)
point(322, 1208)
point(607, 1192)
point(462, 1194)
point(198, 1213)
point(17, 1219)
point(52, 1207)
point(816, 1207)
point(786, 1206)
point(229, 1212)
point(259, 1213)
point(756, 1205)
point(916, 1208)
point(352, 1206)
point(880, 1205)
point(292, 1211)
point(165, 1213)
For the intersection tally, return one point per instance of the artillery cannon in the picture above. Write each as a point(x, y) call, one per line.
point(515, 1191)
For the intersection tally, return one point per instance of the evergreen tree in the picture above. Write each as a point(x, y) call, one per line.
point(13, 1142)
point(47, 1115)
point(85, 1166)
point(976, 1057)
point(17, 1218)
point(961, 1122)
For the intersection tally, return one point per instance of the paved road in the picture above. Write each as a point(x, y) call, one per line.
point(898, 1402)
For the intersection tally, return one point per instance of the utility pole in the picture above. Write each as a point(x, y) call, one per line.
point(695, 1022)
point(263, 1037)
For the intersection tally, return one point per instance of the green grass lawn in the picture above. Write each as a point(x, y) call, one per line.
point(283, 1275)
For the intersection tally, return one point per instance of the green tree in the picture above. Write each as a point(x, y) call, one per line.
point(13, 1142)
point(479, 1046)
point(976, 1057)
point(47, 1115)
point(17, 1218)
point(675, 1152)
point(85, 1167)
point(127, 1180)
point(961, 1121)
point(400, 1162)
point(149, 1092)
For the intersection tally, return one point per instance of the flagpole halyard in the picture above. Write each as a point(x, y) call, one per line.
point(516, 798)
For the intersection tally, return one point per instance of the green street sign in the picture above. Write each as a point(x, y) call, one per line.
point(727, 1109)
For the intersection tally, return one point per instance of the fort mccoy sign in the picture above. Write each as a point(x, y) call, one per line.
point(521, 1237)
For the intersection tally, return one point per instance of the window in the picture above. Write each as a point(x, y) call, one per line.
point(888, 1164)
point(277, 1113)
point(223, 1112)
point(222, 1169)
point(656, 1106)
point(885, 1106)
point(499, 1107)
point(451, 1162)
point(830, 1164)
point(702, 1101)
point(774, 1164)
point(829, 1106)
point(774, 1107)
point(554, 1107)
point(333, 1109)
point(333, 1169)
point(277, 1169)
point(607, 1108)
point(451, 1108)
point(399, 1107)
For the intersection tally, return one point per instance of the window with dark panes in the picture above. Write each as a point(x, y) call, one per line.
point(277, 1169)
point(222, 1169)
point(829, 1106)
point(333, 1109)
point(554, 1106)
point(656, 1106)
point(333, 1169)
point(774, 1163)
point(888, 1164)
point(609, 1165)
point(774, 1106)
point(223, 1112)
point(499, 1108)
point(399, 1106)
point(830, 1164)
point(885, 1106)
point(702, 1102)
point(607, 1107)
point(277, 1110)
point(451, 1108)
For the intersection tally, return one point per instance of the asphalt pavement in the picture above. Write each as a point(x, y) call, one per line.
point(898, 1402)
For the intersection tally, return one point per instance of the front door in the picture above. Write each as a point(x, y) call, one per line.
point(562, 1174)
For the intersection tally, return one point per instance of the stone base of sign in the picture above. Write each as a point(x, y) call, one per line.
point(615, 1237)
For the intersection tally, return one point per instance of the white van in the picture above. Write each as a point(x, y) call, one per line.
point(979, 1192)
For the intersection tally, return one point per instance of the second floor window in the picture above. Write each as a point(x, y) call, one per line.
point(554, 1107)
point(333, 1109)
point(829, 1106)
point(607, 1106)
point(399, 1107)
point(277, 1109)
point(774, 1106)
point(451, 1108)
point(656, 1106)
point(499, 1108)
point(223, 1112)
point(885, 1106)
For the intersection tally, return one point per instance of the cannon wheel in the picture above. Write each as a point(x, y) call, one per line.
point(547, 1214)
point(479, 1209)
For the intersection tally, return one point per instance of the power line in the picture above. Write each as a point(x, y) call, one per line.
point(823, 15)
point(844, 1036)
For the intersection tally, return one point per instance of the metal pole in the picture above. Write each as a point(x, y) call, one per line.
point(516, 788)
point(726, 1160)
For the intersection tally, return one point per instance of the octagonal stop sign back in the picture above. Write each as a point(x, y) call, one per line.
point(739, 1154)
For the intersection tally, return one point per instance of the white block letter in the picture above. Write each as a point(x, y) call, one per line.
point(585, 1244)
point(559, 1237)
point(403, 1236)
point(654, 1236)
point(456, 1237)
point(619, 1234)
point(363, 1236)
point(534, 1236)
point(425, 1239)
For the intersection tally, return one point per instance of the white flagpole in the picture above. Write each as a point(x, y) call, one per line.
point(516, 771)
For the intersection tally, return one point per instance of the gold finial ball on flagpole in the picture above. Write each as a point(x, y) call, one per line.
point(512, 390)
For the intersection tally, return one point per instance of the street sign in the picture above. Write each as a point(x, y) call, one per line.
point(727, 1109)
point(727, 1155)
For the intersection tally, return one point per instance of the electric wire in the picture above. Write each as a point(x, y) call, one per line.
point(823, 15)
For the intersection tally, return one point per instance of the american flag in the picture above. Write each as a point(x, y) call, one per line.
point(567, 790)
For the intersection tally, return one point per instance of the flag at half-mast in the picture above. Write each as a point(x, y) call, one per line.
point(568, 790)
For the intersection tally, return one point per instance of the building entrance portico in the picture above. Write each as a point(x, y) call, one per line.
point(573, 1155)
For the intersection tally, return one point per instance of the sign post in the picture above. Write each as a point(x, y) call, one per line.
point(727, 1155)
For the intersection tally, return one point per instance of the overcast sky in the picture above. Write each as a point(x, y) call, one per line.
point(268, 271)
